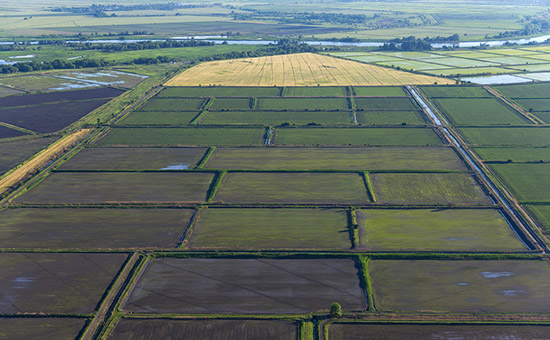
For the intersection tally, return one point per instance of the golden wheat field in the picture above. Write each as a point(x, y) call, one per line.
point(296, 70)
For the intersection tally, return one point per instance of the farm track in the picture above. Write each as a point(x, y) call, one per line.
point(511, 207)
point(110, 300)
point(41, 159)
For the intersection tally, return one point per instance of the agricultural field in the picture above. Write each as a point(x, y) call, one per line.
point(374, 158)
point(431, 189)
point(113, 187)
point(264, 286)
point(515, 154)
point(472, 230)
point(541, 213)
point(364, 331)
point(303, 104)
point(143, 329)
point(366, 136)
point(270, 229)
point(301, 187)
point(135, 159)
point(268, 118)
point(56, 283)
point(455, 92)
point(385, 104)
point(34, 328)
point(526, 181)
point(319, 91)
point(219, 91)
point(170, 104)
point(305, 69)
point(536, 105)
point(529, 91)
point(379, 91)
point(390, 118)
point(479, 111)
point(183, 137)
point(92, 228)
point(460, 286)
point(163, 118)
point(503, 136)
point(10, 133)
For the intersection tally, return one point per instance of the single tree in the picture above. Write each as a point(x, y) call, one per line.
point(335, 310)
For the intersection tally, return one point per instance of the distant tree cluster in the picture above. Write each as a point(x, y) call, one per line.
point(535, 25)
point(94, 9)
point(416, 44)
point(301, 17)
point(141, 45)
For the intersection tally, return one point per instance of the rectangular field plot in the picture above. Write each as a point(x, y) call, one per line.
point(518, 154)
point(111, 187)
point(292, 188)
point(390, 118)
point(9, 133)
point(436, 188)
point(545, 116)
point(145, 329)
point(277, 117)
point(135, 159)
point(225, 91)
point(534, 136)
point(397, 332)
point(178, 104)
point(534, 104)
point(541, 214)
point(14, 152)
point(462, 62)
point(246, 286)
point(271, 229)
point(375, 158)
point(479, 111)
point(470, 71)
point(370, 136)
point(461, 286)
point(527, 182)
point(231, 104)
point(182, 137)
point(59, 96)
point(303, 104)
point(49, 117)
point(319, 91)
point(379, 91)
point(55, 283)
point(92, 228)
point(436, 230)
point(525, 90)
point(159, 118)
point(386, 104)
point(456, 92)
point(37, 328)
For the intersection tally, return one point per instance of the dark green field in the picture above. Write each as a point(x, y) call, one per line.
point(455, 92)
point(479, 111)
point(537, 105)
point(374, 158)
point(436, 188)
point(292, 188)
point(182, 137)
point(473, 230)
point(231, 104)
point(366, 136)
point(516, 154)
point(113, 187)
point(159, 118)
point(525, 90)
point(527, 182)
point(135, 159)
point(507, 136)
point(386, 104)
point(390, 118)
point(461, 286)
point(180, 104)
point(320, 91)
point(268, 118)
point(541, 214)
point(303, 104)
point(92, 228)
point(271, 229)
point(379, 91)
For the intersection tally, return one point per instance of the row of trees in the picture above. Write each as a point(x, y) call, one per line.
point(301, 17)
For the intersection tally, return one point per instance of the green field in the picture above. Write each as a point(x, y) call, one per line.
point(370, 136)
point(374, 158)
point(455, 92)
point(386, 104)
point(223, 104)
point(538, 104)
point(159, 118)
point(135, 159)
point(267, 187)
point(479, 111)
point(114, 187)
point(92, 228)
point(507, 136)
point(436, 188)
point(461, 286)
point(268, 118)
point(525, 90)
point(379, 91)
point(319, 91)
point(180, 104)
point(516, 154)
point(303, 104)
point(541, 214)
point(218, 91)
point(473, 230)
point(527, 182)
point(248, 229)
point(175, 137)
point(545, 116)
point(390, 118)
